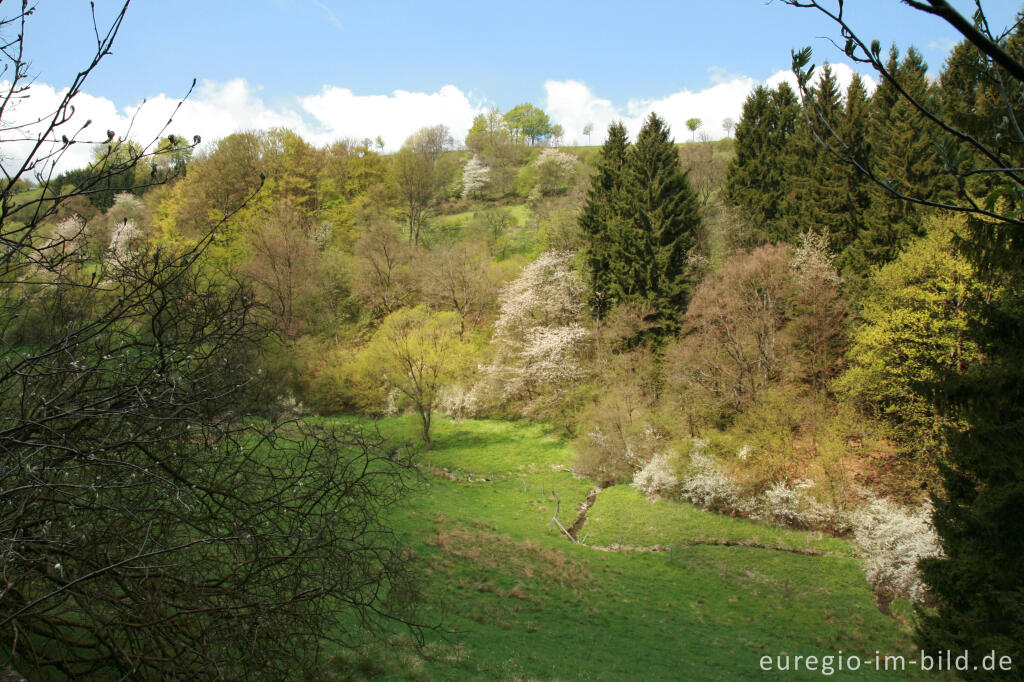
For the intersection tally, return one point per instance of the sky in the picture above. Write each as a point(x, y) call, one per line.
point(332, 69)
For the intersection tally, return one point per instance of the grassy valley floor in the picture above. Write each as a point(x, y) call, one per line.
point(660, 591)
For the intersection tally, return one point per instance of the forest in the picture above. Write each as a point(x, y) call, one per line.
point(272, 410)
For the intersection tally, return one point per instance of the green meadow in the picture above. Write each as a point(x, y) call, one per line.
point(660, 591)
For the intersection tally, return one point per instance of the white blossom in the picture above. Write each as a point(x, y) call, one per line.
point(539, 333)
point(895, 539)
point(707, 486)
point(811, 262)
point(124, 236)
point(658, 476)
point(789, 504)
point(475, 175)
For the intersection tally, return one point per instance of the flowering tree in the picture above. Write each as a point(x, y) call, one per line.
point(475, 175)
point(539, 334)
point(556, 171)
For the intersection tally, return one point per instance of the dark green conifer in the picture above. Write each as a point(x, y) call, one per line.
point(853, 131)
point(755, 181)
point(904, 156)
point(977, 583)
point(599, 221)
point(661, 216)
point(815, 181)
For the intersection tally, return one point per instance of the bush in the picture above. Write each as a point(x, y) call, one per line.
point(657, 477)
point(895, 540)
point(709, 487)
point(789, 504)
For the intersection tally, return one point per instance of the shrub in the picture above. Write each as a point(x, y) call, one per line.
point(789, 504)
point(895, 539)
point(709, 487)
point(657, 477)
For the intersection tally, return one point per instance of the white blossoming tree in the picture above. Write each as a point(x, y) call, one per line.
point(539, 332)
point(556, 171)
point(475, 175)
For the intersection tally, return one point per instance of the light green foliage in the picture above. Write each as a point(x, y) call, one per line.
point(528, 124)
point(416, 353)
point(915, 329)
point(556, 171)
point(557, 133)
point(693, 125)
point(488, 134)
point(421, 172)
point(616, 433)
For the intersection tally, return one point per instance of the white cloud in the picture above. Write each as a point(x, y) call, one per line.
point(341, 113)
point(843, 73)
point(216, 110)
point(573, 104)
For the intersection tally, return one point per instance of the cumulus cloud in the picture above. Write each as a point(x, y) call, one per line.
point(216, 110)
point(339, 112)
point(573, 104)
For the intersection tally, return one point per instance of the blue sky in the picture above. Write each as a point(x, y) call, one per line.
point(332, 67)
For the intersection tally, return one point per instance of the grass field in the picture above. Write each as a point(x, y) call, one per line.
point(519, 601)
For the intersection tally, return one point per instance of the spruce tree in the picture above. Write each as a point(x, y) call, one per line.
point(661, 216)
point(853, 131)
point(977, 582)
point(814, 177)
point(599, 220)
point(903, 154)
point(755, 181)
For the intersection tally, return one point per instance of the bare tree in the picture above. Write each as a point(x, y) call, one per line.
point(420, 173)
point(727, 125)
point(384, 275)
point(154, 524)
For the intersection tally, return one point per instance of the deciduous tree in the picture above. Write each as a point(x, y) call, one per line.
point(154, 524)
point(417, 353)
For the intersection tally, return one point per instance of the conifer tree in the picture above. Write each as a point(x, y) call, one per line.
point(976, 584)
point(755, 180)
point(853, 131)
point(599, 218)
point(814, 196)
point(903, 155)
point(661, 216)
